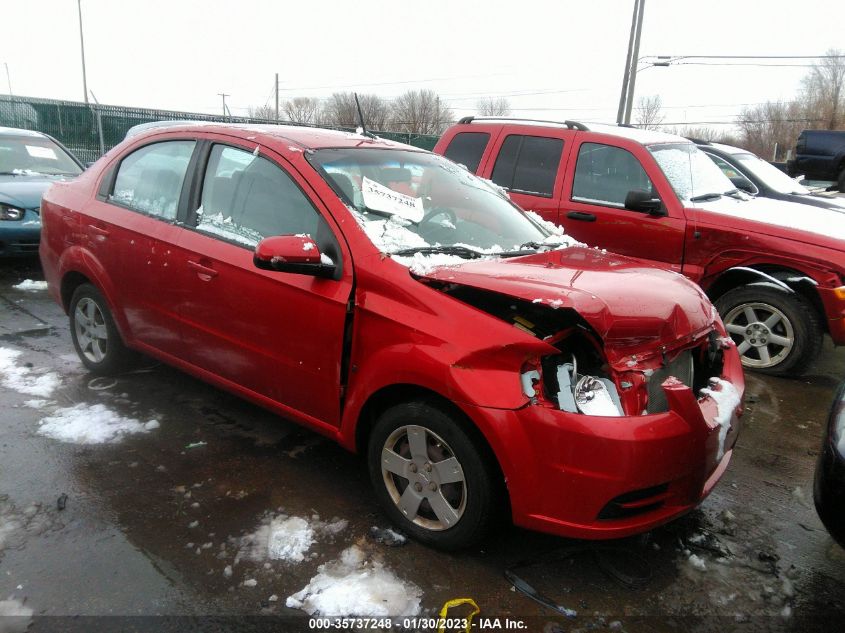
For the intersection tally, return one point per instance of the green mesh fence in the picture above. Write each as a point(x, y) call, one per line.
point(89, 130)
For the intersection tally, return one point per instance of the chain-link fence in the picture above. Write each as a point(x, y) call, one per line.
point(89, 130)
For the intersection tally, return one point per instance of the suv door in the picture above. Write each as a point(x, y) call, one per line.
point(277, 335)
point(527, 163)
point(130, 225)
point(600, 176)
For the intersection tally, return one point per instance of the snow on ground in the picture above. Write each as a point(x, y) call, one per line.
point(18, 377)
point(286, 538)
point(355, 585)
point(91, 424)
point(727, 399)
point(15, 617)
point(29, 284)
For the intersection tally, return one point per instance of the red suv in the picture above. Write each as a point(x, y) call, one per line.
point(387, 298)
point(774, 269)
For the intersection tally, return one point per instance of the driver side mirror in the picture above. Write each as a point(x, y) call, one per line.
point(292, 254)
point(642, 201)
point(743, 184)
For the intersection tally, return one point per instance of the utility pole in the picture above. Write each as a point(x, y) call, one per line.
point(224, 95)
point(8, 79)
point(82, 46)
point(623, 96)
point(277, 97)
point(634, 61)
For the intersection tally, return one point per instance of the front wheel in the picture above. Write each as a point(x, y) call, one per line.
point(430, 477)
point(775, 332)
point(94, 333)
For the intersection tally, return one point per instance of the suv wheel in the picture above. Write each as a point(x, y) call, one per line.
point(94, 333)
point(775, 332)
point(430, 477)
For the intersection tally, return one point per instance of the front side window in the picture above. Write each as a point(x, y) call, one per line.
point(150, 179)
point(467, 148)
point(528, 164)
point(606, 174)
point(246, 198)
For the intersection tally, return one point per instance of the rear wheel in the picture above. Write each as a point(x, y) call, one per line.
point(775, 332)
point(95, 335)
point(430, 477)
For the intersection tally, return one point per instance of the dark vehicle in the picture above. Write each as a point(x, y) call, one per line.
point(750, 173)
point(829, 489)
point(820, 155)
point(29, 163)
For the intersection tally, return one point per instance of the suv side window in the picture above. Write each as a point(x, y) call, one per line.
point(467, 148)
point(528, 164)
point(150, 179)
point(246, 198)
point(605, 174)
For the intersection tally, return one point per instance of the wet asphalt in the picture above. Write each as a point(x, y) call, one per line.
point(133, 536)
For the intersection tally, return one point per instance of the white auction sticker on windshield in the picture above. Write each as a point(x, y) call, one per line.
point(39, 151)
point(380, 198)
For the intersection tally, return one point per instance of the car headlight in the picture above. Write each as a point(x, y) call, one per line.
point(10, 213)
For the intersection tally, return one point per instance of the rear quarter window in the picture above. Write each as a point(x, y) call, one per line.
point(467, 148)
point(528, 164)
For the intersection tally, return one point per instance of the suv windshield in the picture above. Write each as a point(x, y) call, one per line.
point(418, 202)
point(32, 155)
point(770, 174)
point(690, 171)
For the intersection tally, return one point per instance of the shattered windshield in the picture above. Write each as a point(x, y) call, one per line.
point(690, 171)
point(34, 155)
point(414, 202)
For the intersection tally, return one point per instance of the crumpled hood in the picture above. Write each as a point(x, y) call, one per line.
point(24, 191)
point(626, 301)
point(782, 218)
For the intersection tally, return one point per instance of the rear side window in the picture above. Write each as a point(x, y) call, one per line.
point(528, 164)
point(467, 148)
point(246, 198)
point(150, 179)
point(605, 174)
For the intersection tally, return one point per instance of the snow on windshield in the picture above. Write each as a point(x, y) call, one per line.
point(771, 175)
point(690, 172)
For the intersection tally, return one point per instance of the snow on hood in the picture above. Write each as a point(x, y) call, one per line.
point(780, 214)
point(626, 301)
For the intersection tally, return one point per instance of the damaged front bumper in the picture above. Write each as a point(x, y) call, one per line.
point(606, 477)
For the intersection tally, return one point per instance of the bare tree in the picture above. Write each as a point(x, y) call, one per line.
point(772, 124)
point(823, 91)
point(302, 110)
point(262, 112)
point(420, 112)
point(650, 112)
point(340, 110)
point(493, 107)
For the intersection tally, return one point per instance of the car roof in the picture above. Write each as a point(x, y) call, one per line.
point(639, 135)
point(14, 131)
point(725, 149)
point(304, 137)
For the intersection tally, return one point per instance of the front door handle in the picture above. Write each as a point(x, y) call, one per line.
point(99, 232)
point(580, 215)
point(203, 272)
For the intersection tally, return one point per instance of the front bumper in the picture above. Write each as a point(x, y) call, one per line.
point(19, 238)
point(600, 477)
point(834, 307)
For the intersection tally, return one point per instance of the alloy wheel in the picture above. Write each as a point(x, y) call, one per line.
point(90, 329)
point(763, 334)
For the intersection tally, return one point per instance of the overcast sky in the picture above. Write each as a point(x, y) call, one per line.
point(556, 60)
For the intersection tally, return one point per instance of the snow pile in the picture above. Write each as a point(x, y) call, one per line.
point(286, 538)
point(422, 264)
point(558, 237)
point(24, 379)
point(391, 234)
point(91, 424)
point(355, 586)
point(224, 227)
point(727, 399)
point(29, 284)
point(14, 616)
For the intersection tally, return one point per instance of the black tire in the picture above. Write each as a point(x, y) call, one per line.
point(841, 181)
point(105, 357)
point(798, 315)
point(479, 492)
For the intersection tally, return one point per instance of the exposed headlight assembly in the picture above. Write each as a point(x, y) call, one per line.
point(10, 213)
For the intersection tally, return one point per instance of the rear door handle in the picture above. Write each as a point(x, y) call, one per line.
point(580, 215)
point(204, 272)
point(99, 232)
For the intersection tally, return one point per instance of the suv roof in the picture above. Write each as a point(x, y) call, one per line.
point(646, 137)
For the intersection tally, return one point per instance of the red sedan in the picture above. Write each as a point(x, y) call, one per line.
point(389, 299)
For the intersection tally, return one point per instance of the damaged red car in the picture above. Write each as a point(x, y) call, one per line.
point(387, 298)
